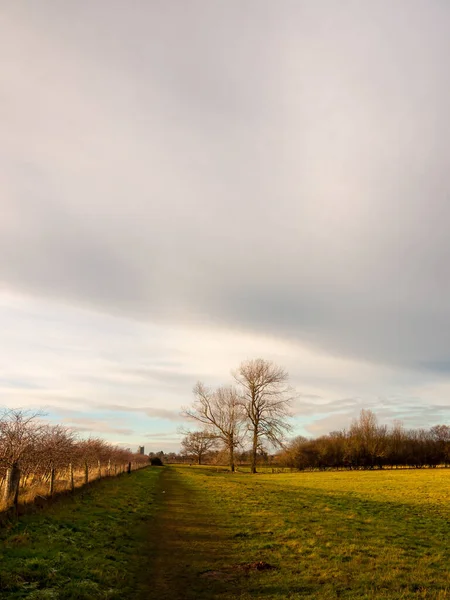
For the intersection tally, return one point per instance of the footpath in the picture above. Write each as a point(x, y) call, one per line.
point(186, 546)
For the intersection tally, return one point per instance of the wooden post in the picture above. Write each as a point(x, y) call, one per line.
point(86, 473)
point(16, 493)
point(11, 489)
point(115, 469)
point(129, 467)
point(71, 481)
point(109, 468)
point(51, 487)
point(99, 469)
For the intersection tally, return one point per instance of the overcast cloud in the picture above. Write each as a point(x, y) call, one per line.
point(242, 178)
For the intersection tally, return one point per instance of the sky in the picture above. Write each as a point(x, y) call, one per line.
point(186, 185)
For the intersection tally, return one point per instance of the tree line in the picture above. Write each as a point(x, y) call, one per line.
point(36, 456)
point(239, 419)
point(254, 409)
point(369, 445)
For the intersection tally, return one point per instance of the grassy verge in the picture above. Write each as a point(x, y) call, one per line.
point(87, 547)
point(330, 535)
point(181, 533)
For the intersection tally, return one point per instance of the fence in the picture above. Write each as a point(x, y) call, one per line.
point(40, 460)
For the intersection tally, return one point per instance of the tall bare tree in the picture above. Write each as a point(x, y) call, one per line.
point(198, 443)
point(220, 411)
point(266, 399)
point(368, 438)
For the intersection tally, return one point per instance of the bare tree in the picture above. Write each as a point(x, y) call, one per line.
point(220, 411)
point(19, 430)
point(368, 439)
point(33, 454)
point(198, 443)
point(266, 399)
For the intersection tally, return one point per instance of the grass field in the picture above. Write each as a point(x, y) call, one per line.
point(198, 533)
point(336, 535)
point(86, 547)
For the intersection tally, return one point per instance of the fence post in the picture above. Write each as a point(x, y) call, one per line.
point(129, 467)
point(99, 470)
point(86, 473)
point(11, 492)
point(109, 468)
point(51, 488)
point(71, 481)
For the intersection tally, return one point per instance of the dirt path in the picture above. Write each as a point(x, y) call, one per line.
point(187, 551)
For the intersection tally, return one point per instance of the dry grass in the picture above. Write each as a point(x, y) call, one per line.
point(35, 488)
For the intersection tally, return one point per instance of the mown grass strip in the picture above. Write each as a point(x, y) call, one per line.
point(88, 547)
point(188, 546)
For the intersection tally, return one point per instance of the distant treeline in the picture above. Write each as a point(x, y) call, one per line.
point(368, 445)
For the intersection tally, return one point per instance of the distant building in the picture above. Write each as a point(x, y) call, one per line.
point(141, 450)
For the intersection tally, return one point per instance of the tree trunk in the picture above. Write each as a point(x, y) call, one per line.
point(254, 451)
point(232, 458)
point(11, 490)
point(51, 486)
point(129, 467)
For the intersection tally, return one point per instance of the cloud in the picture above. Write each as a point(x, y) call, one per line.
point(96, 429)
point(159, 374)
point(164, 435)
point(301, 395)
point(83, 364)
point(302, 408)
point(185, 188)
point(154, 412)
point(91, 425)
point(338, 179)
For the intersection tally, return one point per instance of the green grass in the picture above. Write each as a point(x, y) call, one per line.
point(183, 533)
point(91, 546)
point(330, 535)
